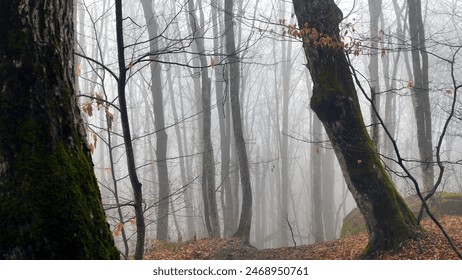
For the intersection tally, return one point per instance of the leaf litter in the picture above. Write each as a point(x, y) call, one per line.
point(432, 246)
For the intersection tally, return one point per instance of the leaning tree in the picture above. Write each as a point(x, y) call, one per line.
point(388, 219)
point(49, 198)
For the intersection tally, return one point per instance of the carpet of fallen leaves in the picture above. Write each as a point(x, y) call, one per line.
point(433, 246)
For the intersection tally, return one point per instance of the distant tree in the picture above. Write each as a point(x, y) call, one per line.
point(375, 9)
point(389, 221)
point(159, 122)
point(245, 220)
point(49, 198)
point(208, 162)
point(420, 90)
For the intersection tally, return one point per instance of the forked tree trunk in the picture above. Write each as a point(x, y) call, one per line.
point(49, 198)
point(388, 219)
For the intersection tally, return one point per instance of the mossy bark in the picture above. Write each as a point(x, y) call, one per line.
point(49, 198)
point(388, 219)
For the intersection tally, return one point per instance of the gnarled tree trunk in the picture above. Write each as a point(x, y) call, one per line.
point(49, 198)
point(389, 221)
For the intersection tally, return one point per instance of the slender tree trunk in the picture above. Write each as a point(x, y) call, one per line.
point(49, 197)
point(159, 123)
point(316, 182)
point(243, 230)
point(388, 219)
point(208, 161)
point(184, 177)
point(286, 49)
point(136, 185)
point(328, 194)
point(420, 90)
point(375, 9)
point(390, 89)
point(229, 225)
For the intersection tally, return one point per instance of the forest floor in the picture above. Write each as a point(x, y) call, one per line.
point(434, 245)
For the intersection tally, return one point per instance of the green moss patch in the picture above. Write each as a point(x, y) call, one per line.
point(445, 204)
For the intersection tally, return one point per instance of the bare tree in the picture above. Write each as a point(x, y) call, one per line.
point(243, 230)
point(375, 9)
point(121, 92)
point(208, 161)
point(420, 90)
point(388, 219)
point(159, 122)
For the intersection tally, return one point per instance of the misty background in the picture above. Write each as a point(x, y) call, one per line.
point(177, 49)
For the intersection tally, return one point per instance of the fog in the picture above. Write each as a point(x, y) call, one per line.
point(298, 190)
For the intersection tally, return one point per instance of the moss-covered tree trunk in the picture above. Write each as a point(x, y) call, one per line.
point(389, 221)
point(49, 199)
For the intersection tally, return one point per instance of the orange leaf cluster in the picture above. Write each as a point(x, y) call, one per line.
point(311, 36)
point(118, 230)
point(87, 107)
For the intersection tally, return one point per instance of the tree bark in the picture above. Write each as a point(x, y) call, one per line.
point(49, 197)
point(388, 219)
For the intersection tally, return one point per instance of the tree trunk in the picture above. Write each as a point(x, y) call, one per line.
point(208, 161)
point(184, 178)
point(136, 184)
point(243, 230)
point(49, 198)
point(390, 86)
point(388, 219)
point(286, 48)
point(375, 9)
point(328, 194)
point(420, 90)
point(316, 182)
point(223, 108)
point(159, 124)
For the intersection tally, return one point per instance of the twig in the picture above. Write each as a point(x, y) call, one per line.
point(291, 232)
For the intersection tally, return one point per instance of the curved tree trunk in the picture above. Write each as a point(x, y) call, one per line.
point(49, 198)
point(245, 220)
point(389, 221)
